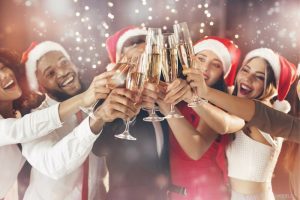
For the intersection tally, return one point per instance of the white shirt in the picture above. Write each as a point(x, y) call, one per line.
point(57, 160)
point(14, 131)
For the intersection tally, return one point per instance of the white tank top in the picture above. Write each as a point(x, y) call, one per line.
point(251, 160)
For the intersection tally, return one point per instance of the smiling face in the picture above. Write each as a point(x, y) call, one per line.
point(250, 79)
point(58, 76)
point(9, 88)
point(211, 65)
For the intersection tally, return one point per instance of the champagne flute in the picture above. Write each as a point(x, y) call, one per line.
point(154, 47)
point(135, 82)
point(170, 66)
point(117, 80)
point(186, 53)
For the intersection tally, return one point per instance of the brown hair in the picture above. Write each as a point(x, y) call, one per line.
point(269, 85)
point(11, 59)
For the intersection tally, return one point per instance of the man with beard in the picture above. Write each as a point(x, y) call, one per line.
point(63, 166)
point(137, 169)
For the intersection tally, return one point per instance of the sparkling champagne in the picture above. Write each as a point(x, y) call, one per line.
point(185, 54)
point(170, 64)
point(135, 83)
point(154, 67)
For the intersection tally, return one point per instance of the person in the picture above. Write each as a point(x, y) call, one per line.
point(255, 113)
point(63, 165)
point(263, 75)
point(197, 152)
point(292, 153)
point(137, 169)
point(14, 130)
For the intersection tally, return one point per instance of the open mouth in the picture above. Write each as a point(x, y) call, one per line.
point(244, 89)
point(68, 81)
point(9, 85)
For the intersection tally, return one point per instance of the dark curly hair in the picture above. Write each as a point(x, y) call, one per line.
point(28, 100)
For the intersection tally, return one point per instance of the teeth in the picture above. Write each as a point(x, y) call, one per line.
point(8, 84)
point(245, 87)
point(69, 80)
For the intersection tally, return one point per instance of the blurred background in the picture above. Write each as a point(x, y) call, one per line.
point(82, 26)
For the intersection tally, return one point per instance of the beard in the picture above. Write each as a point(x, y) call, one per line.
point(61, 96)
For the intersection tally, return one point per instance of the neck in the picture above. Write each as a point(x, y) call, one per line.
point(6, 109)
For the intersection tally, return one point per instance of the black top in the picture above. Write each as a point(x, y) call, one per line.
point(135, 169)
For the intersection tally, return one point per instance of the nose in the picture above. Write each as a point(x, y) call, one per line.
point(204, 67)
point(61, 71)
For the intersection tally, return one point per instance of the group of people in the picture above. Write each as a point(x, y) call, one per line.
point(226, 148)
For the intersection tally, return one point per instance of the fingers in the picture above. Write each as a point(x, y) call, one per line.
point(173, 85)
point(177, 97)
point(128, 111)
point(192, 71)
point(105, 75)
point(125, 92)
point(147, 102)
point(150, 93)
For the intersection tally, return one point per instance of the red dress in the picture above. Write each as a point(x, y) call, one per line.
point(204, 179)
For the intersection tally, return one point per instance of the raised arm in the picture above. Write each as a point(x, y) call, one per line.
point(42, 122)
point(59, 153)
point(193, 140)
point(255, 113)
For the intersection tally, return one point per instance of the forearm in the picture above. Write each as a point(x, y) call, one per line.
point(56, 158)
point(96, 124)
point(243, 108)
point(218, 120)
point(30, 126)
point(276, 123)
point(189, 138)
point(70, 107)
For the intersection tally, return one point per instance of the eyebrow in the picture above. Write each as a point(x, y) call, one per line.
point(262, 73)
point(47, 69)
point(200, 54)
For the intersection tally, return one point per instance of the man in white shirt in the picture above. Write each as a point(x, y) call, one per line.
point(14, 130)
point(63, 165)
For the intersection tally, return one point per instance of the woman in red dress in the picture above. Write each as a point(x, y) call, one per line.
point(201, 171)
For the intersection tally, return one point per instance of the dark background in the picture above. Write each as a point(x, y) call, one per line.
point(83, 25)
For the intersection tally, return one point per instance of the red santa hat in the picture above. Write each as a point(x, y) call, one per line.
point(114, 43)
point(284, 71)
point(33, 54)
point(227, 52)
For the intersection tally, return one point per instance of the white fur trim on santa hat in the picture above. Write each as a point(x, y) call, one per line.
point(283, 106)
point(219, 49)
point(34, 55)
point(298, 69)
point(270, 56)
point(128, 34)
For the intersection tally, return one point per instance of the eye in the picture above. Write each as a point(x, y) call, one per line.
point(216, 65)
point(261, 78)
point(64, 62)
point(244, 69)
point(201, 59)
point(50, 74)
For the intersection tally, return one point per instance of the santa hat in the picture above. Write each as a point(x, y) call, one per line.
point(227, 52)
point(114, 43)
point(33, 54)
point(284, 71)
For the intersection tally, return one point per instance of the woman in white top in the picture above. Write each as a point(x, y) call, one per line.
point(31, 126)
point(252, 154)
